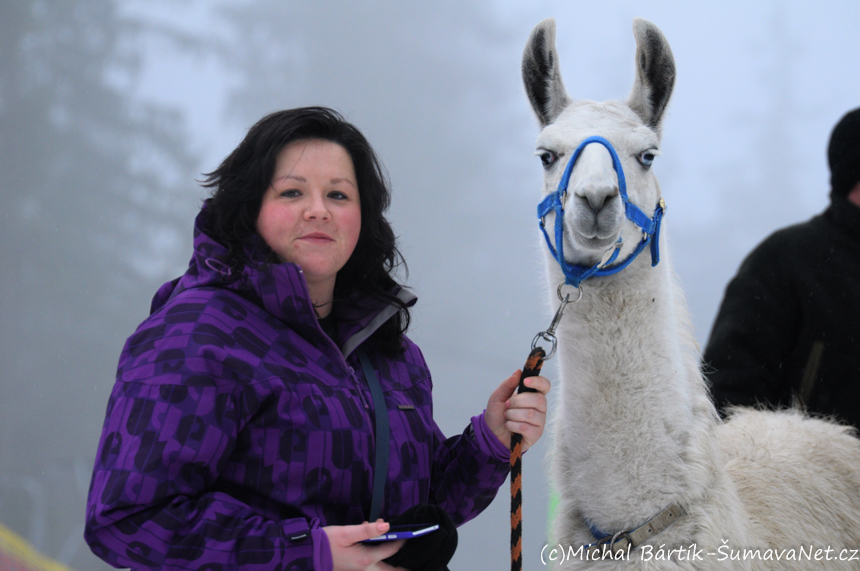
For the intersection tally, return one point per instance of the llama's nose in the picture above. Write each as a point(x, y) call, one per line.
point(596, 197)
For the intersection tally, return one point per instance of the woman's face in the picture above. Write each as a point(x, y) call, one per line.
point(311, 213)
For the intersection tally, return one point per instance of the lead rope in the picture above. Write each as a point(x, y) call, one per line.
point(531, 369)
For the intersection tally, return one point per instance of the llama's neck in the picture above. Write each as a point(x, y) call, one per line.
point(633, 424)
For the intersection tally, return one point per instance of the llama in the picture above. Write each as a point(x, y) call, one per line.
point(635, 437)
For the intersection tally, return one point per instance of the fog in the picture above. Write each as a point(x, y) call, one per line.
point(111, 111)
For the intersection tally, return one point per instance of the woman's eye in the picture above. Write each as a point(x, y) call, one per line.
point(337, 195)
point(646, 158)
point(547, 158)
point(290, 193)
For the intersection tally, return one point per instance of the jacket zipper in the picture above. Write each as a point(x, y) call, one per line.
point(346, 367)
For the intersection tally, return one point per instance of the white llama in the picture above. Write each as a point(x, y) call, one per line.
point(636, 439)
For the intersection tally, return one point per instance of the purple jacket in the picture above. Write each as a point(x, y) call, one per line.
point(237, 428)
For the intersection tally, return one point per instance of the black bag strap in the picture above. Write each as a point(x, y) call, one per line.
point(383, 435)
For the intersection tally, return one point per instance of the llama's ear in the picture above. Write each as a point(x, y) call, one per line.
point(541, 74)
point(655, 73)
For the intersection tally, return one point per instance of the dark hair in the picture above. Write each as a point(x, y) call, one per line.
point(239, 183)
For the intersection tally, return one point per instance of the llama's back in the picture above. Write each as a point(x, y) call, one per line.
point(798, 477)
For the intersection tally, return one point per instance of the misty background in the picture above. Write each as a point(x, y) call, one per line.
point(110, 111)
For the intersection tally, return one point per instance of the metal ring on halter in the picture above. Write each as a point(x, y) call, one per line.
point(618, 537)
point(562, 299)
point(547, 336)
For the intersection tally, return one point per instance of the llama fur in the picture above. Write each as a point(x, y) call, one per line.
point(634, 429)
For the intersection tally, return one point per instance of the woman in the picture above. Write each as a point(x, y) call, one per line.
point(240, 430)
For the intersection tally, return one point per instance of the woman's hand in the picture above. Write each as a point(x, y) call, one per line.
point(524, 413)
point(349, 554)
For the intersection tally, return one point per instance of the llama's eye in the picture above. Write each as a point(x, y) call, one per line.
point(646, 158)
point(547, 158)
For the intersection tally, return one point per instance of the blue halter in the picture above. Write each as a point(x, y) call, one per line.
point(575, 274)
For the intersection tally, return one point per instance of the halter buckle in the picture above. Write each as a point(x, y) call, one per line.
point(611, 541)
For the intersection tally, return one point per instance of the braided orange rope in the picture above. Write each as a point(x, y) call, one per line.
point(531, 369)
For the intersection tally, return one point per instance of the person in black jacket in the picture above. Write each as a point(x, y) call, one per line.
point(788, 330)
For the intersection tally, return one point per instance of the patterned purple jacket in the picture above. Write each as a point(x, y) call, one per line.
point(237, 428)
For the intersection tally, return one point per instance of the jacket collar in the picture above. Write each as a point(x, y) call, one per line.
point(279, 288)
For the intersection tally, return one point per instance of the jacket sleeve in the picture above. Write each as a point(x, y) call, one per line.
point(153, 503)
point(748, 354)
point(467, 471)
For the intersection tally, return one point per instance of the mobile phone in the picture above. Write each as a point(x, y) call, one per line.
point(404, 532)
